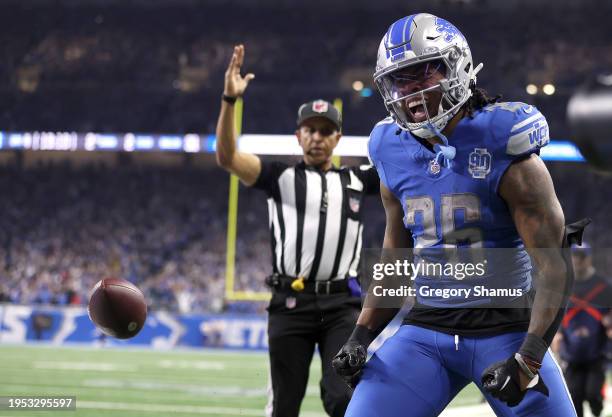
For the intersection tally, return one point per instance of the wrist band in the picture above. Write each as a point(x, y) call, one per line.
point(363, 335)
point(519, 359)
point(534, 348)
point(229, 99)
point(531, 363)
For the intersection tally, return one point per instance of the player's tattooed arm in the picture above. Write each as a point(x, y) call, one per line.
point(528, 190)
point(245, 165)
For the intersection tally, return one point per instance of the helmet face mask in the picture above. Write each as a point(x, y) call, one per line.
point(424, 58)
point(414, 90)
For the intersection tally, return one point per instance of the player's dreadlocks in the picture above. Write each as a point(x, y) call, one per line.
point(478, 100)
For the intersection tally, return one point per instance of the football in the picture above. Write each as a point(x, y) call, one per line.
point(117, 307)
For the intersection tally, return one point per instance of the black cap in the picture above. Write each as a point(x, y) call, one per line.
point(319, 108)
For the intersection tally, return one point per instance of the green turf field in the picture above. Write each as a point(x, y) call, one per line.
point(130, 383)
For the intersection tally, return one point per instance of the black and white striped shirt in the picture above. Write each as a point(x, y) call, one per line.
point(315, 218)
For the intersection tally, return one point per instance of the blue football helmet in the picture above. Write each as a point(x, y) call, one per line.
point(429, 44)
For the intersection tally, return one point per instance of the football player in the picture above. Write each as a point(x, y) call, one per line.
point(458, 168)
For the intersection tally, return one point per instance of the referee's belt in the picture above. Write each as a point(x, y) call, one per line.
point(284, 283)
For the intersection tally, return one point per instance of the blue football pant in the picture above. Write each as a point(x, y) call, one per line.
point(417, 372)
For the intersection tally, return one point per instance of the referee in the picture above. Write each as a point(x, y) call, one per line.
point(315, 227)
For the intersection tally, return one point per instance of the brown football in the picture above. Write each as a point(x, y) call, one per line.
point(117, 307)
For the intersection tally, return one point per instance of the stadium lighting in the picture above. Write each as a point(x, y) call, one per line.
point(261, 144)
point(358, 85)
point(531, 89)
point(605, 79)
point(548, 89)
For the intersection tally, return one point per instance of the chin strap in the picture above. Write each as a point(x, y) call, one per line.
point(444, 151)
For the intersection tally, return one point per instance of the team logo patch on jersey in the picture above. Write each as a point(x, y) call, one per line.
point(320, 106)
point(479, 163)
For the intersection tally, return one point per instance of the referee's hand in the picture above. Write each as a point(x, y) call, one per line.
point(235, 84)
point(349, 362)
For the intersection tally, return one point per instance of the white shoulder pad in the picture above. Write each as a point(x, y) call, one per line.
point(528, 134)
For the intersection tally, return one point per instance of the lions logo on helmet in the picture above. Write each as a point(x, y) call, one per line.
point(416, 49)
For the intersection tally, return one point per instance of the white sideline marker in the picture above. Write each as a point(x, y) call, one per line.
point(84, 366)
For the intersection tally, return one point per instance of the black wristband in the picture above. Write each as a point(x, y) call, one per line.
point(363, 335)
point(229, 99)
point(533, 347)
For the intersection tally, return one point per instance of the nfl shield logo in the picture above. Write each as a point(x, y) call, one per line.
point(434, 167)
point(320, 106)
point(354, 204)
point(290, 302)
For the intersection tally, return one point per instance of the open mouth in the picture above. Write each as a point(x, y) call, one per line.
point(316, 151)
point(417, 110)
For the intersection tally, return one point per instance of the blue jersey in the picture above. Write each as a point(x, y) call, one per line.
point(459, 205)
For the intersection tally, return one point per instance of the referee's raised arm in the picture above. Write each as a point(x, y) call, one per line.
point(245, 165)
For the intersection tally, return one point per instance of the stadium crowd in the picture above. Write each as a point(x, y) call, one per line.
point(117, 66)
point(64, 228)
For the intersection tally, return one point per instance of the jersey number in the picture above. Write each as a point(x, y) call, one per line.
point(451, 237)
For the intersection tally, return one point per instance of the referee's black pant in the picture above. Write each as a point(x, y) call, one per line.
point(585, 382)
point(297, 322)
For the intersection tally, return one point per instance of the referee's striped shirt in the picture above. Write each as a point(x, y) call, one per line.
point(315, 218)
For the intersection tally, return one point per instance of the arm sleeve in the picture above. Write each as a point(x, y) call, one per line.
point(268, 177)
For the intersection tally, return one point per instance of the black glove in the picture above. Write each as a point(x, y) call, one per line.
point(502, 381)
point(349, 361)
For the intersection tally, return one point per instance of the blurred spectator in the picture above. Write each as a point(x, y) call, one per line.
point(4, 295)
point(582, 340)
point(123, 66)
